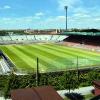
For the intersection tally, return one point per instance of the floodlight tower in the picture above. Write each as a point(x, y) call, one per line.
point(66, 7)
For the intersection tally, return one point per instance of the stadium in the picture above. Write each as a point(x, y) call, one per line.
point(50, 50)
point(58, 52)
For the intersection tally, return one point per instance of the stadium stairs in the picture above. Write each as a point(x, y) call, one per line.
point(4, 66)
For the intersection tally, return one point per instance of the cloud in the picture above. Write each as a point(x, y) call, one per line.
point(81, 10)
point(5, 7)
point(50, 22)
point(97, 19)
point(39, 14)
point(69, 3)
point(79, 19)
point(19, 20)
point(81, 15)
point(32, 22)
point(6, 19)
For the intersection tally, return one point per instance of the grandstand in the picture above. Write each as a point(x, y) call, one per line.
point(93, 40)
point(4, 67)
point(31, 38)
point(84, 40)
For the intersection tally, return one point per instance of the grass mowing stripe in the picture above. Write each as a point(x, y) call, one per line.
point(16, 60)
point(73, 65)
point(54, 52)
point(57, 56)
point(43, 64)
point(53, 55)
point(49, 65)
point(49, 55)
point(74, 62)
point(78, 50)
point(88, 60)
point(45, 57)
point(66, 53)
point(72, 53)
point(81, 59)
point(22, 56)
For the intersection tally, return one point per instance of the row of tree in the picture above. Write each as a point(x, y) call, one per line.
point(11, 32)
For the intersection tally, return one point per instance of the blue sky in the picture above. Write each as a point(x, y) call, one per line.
point(46, 14)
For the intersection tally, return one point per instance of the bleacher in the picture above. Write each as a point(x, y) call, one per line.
point(4, 66)
point(84, 39)
point(33, 38)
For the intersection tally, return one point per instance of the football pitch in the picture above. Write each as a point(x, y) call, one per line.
point(52, 57)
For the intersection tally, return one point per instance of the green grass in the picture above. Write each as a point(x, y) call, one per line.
point(89, 96)
point(52, 57)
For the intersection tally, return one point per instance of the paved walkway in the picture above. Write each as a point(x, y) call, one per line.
point(83, 91)
point(2, 98)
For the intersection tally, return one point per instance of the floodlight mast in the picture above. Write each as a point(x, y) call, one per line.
point(66, 7)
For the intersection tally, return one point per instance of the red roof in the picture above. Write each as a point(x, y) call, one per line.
point(37, 93)
point(97, 83)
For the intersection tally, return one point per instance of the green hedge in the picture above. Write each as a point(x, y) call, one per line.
point(59, 80)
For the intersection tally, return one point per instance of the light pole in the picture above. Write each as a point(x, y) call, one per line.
point(66, 7)
point(37, 73)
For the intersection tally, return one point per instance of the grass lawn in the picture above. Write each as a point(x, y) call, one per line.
point(52, 57)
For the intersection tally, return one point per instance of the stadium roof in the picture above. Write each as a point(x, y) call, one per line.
point(82, 33)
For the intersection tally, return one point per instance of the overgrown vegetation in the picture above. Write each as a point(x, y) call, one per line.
point(60, 81)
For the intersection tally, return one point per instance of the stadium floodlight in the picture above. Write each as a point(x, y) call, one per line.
point(66, 7)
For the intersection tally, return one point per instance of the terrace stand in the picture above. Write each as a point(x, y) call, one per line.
point(37, 93)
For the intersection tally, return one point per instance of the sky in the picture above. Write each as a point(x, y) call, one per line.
point(49, 14)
